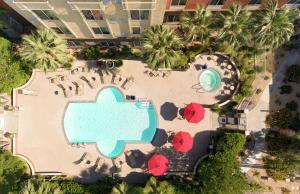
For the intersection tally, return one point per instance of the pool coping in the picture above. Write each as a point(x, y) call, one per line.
point(95, 99)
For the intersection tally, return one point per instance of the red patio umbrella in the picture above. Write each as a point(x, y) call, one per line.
point(158, 165)
point(182, 142)
point(194, 112)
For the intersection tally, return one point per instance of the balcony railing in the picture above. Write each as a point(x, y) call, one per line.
point(87, 5)
point(139, 4)
point(33, 4)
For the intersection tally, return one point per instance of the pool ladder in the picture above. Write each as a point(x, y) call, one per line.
point(145, 104)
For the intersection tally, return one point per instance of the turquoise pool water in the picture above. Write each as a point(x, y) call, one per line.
point(110, 122)
point(210, 79)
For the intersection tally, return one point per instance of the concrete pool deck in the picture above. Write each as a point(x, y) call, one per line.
point(41, 139)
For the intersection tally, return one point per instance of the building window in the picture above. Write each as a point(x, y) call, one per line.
point(136, 30)
point(293, 2)
point(107, 43)
point(216, 2)
point(61, 30)
point(171, 18)
point(253, 2)
point(45, 14)
point(101, 30)
point(139, 14)
point(92, 14)
point(178, 2)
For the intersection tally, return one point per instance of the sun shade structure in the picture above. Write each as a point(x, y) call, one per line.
point(158, 165)
point(182, 142)
point(194, 112)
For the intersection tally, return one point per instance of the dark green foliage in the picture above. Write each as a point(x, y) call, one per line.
point(71, 187)
point(292, 105)
point(181, 63)
point(284, 159)
point(282, 118)
point(221, 174)
point(293, 73)
point(286, 89)
point(13, 72)
point(94, 53)
point(12, 169)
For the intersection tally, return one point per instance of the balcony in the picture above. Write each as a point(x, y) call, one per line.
point(87, 5)
point(139, 4)
point(33, 4)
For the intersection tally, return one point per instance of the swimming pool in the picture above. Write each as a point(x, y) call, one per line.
point(210, 79)
point(110, 122)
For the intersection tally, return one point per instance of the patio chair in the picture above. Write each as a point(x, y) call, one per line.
point(53, 80)
point(116, 79)
point(106, 78)
point(92, 82)
point(66, 90)
point(79, 87)
point(166, 74)
point(63, 77)
point(26, 92)
point(74, 71)
point(128, 83)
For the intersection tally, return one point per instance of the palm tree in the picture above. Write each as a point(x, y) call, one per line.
point(273, 27)
point(161, 46)
point(45, 50)
point(158, 187)
point(235, 26)
point(40, 187)
point(121, 188)
point(196, 24)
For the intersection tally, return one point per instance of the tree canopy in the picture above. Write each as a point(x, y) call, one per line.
point(13, 72)
point(11, 171)
point(45, 50)
point(161, 46)
point(221, 172)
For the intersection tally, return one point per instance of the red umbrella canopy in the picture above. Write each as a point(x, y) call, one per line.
point(194, 112)
point(158, 165)
point(183, 142)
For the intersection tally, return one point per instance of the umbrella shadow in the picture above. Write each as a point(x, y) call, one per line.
point(135, 159)
point(160, 138)
point(168, 111)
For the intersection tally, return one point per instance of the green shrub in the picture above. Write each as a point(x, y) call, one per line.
point(286, 89)
point(181, 63)
point(282, 118)
point(216, 108)
point(13, 71)
point(72, 187)
point(292, 105)
point(12, 169)
point(91, 53)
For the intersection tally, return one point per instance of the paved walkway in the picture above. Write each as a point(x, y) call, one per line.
point(41, 134)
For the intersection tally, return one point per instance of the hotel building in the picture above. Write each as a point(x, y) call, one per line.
point(115, 22)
